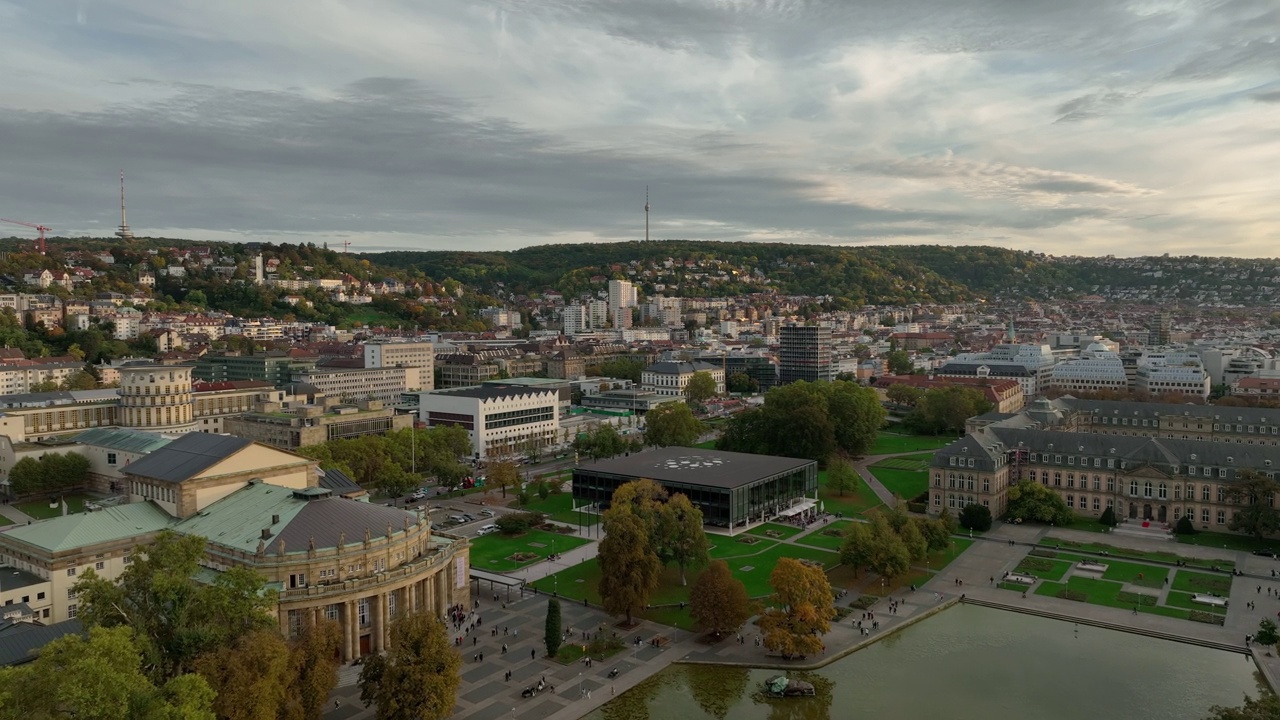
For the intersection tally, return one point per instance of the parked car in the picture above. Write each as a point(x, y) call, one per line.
point(488, 529)
point(457, 519)
point(487, 513)
point(468, 518)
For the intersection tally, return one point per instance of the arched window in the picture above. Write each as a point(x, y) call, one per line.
point(1146, 489)
point(1133, 487)
point(1162, 491)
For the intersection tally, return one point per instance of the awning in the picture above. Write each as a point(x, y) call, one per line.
point(798, 508)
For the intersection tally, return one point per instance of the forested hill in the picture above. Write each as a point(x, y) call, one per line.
point(867, 274)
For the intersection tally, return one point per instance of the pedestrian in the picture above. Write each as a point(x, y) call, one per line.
point(533, 654)
point(504, 629)
point(474, 640)
point(481, 657)
point(613, 690)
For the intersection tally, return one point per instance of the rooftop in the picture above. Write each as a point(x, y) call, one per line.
point(694, 466)
point(83, 529)
point(187, 456)
point(487, 392)
point(123, 439)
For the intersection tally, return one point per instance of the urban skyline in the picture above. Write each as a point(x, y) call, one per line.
point(1129, 129)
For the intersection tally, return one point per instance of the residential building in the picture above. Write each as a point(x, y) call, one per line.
point(671, 377)
point(1172, 372)
point(502, 421)
point(379, 354)
point(1096, 369)
point(1030, 365)
point(622, 297)
point(20, 375)
point(359, 383)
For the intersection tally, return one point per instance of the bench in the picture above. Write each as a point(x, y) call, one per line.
point(1020, 579)
point(1091, 567)
point(1209, 600)
point(660, 641)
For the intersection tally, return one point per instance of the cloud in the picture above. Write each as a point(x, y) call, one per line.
point(1046, 124)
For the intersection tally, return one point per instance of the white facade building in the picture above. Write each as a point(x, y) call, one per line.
point(502, 421)
point(1030, 365)
point(1172, 372)
point(1097, 369)
point(622, 297)
point(385, 354)
point(670, 378)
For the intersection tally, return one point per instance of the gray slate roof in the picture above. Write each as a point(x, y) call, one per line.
point(19, 641)
point(337, 481)
point(671, 367)
point(329, 519)
point(187, 456)
point(696, 466)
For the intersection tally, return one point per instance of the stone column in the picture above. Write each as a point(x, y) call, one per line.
point(344, 619)
point(353, 627)
point(377, 605)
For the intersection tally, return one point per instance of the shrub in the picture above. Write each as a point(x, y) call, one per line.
point(543, 490)
point(1108, 517)
point(512, 524)
point(975, 517)
point(864, 602)
point(1205, 617)
point(1184, 526)
point(1132, 598)
point(523, 497)
point(1040, 552)
point(1034, 564)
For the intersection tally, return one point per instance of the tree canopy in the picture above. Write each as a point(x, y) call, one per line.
point(808, 420)
point(418, 677)
point(946, 409)
point(718, 600)
point(1256, 493)
point(629, 566)
point(801, 609)
point(1036, 503)
point(51, 473)
point(672, 423)
point(701, 387)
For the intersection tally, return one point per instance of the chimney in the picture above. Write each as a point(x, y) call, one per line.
point(266, 533)
point(275, 519)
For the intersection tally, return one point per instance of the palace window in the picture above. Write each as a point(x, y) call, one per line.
point(1204, 515)
point(1222, 517)
point(1162, 492)
point(1133, 488)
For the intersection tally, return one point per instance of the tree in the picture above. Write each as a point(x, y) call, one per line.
point(936, 535)
point(741, 383)
point(175, 617)
point(899, 362)
point(841, 476)
point(554, 634)
point(418, 678)
point(1266, 707)
point(889, 556)
point(948, 521)
point(914, 540)
point(1108, 517)
point(1037, 503)
point(503, 474)
point(672, 423)
point(718, 600)
point(680, 534)
point(903, 394)
point(314, 657)
point(808, 420)
point(701, 387)
point(946, 409)
point(1257, 493)
point(100, 677)
point(629, 567)
point(857, 548)
point(250, 676)
point(602, 441)
point(1184, 526)
point(975, 517)
point(1267, 633)
point(802, 608)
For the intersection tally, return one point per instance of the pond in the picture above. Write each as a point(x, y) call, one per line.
point(969, 663)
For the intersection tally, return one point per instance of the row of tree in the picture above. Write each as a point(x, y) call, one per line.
point(51, 473)
point(893, 540)
point(396, 462)
point(808, 420)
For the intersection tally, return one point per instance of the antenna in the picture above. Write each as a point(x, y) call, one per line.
point(646, 213)
point(123, 232)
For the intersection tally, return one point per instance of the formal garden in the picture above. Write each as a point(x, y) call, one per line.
point(504, 553)
point(42, 510)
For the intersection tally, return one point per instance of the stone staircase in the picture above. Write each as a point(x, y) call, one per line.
point(348, 675)
point(1155, 531)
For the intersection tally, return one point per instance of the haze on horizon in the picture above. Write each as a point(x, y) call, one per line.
point(1061, 126)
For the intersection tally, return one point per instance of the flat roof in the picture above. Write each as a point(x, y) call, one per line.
point(696, 466)
point(488, 392)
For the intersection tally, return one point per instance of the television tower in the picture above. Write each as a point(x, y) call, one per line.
point(124, 233)
point(646, 213)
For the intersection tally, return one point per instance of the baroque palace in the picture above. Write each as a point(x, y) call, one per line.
point(326, 552)
point(1147, 461)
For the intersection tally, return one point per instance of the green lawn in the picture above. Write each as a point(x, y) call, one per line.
point(1194, 582)
point(775, 530)
point(708, 445)
point(1135, 573)
point(1230, 542)
point(1094, 592)
point(916, 462)
point(582, 580)
point(723, 548)
point(559, 507)
point(906, 484)
point(40, 510)
point(850, 503)
point(1043, 568)
point(1183, 600)
point(5, 521)
point(368, 316)
point(1087, 524)
point(829, 536)
point(490, 552)
point(890, 443)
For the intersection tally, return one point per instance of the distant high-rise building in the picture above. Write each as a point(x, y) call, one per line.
point(804, 353)
point(622, 297)
point(1162, 330)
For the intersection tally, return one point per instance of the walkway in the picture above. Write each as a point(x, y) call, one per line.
point(17, 516)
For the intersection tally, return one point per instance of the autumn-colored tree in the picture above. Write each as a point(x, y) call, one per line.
point(718, 600)
point(628, 566)
point(802, 608)
point(856, 550)
point(250, 676)
point(889, 556)
point(914, 539)
point(418, 678)
point(314, 657)
point(503, 474)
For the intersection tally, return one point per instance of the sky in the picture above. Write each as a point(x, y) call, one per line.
point(1070, 127)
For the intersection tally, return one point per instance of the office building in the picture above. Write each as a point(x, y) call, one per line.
point(804, 353)
point(501, 421)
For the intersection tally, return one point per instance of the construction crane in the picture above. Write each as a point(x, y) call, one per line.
point(39, 228)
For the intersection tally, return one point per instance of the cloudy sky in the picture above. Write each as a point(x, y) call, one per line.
point(1063, 126)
